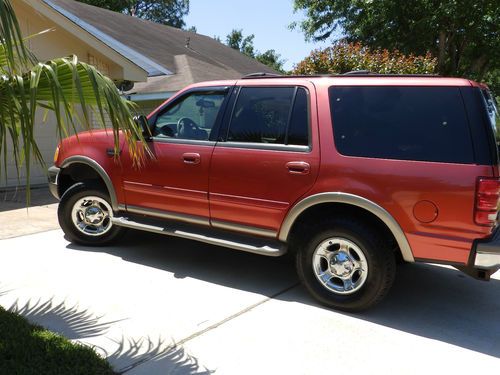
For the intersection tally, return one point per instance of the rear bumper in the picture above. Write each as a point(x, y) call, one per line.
point(53, 174)
point(487, 252)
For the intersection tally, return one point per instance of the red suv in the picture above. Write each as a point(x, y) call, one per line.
point(349, 173)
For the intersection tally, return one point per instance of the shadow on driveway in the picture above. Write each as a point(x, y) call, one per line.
point(426, 300)
point(74, 322)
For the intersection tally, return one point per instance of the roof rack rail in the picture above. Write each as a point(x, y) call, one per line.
point(356, 72)
point(260, 75)
point(368, 73)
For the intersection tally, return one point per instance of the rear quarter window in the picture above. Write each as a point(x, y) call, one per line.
point(406, 123)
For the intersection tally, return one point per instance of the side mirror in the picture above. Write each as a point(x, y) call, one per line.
point(142, 123)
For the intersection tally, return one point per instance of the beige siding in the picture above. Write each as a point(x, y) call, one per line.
point(147, 107)
point(47, 141)
point(58, 42)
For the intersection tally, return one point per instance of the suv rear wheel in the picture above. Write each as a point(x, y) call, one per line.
point(347, 265)
point(85, 214)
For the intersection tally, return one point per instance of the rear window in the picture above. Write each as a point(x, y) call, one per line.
point(406, 123)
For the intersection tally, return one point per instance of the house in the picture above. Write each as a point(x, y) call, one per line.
point(148, 61)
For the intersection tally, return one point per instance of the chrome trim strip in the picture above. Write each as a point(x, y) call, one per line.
point(265, 146)
point(100, 170)
point(122, 207)
point(271, 249)
point(244, 229)
point(168, 215)
point(355, 200)
point(184, 141)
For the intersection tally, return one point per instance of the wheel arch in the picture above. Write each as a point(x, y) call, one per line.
point(91, 171)
point(351, 200)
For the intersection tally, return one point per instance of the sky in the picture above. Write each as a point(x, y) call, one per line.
point(268, 20)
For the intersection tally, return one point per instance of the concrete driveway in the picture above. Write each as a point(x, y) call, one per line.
point(160, 305)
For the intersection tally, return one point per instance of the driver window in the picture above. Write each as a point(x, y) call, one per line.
point(193, 117)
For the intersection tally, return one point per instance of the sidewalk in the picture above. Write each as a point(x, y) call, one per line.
point(17, 219)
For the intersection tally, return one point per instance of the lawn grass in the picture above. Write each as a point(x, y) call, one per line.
point(28, 349)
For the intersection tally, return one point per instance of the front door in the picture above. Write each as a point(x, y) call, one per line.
point(174, 184)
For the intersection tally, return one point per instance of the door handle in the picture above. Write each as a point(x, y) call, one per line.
point(298, 167)
point(191, 158)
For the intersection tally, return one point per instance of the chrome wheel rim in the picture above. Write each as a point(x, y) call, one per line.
point(340, 265)
point(92, 216)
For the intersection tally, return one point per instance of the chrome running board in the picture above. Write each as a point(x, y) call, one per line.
point(216, 237)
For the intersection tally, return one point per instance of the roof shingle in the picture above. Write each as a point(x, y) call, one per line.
point(190, 56)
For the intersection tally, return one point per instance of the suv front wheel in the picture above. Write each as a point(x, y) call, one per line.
point(347, 265)
point(85, 214)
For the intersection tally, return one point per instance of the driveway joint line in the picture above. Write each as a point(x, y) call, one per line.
point(213, 326)
point(236, 315)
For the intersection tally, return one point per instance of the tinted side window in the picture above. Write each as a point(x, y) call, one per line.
point(192, 117)
point(275, 115)
point(407, 123)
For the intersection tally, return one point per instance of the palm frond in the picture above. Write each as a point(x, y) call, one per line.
point(70, 88)
point(16, 54)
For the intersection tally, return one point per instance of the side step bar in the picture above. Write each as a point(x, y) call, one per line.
point(267, 247)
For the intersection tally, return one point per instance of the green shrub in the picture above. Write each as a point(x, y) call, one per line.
point(344, 57)
point(27, 349)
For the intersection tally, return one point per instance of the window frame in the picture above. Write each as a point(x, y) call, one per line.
point(231, 105)
point(214, 133)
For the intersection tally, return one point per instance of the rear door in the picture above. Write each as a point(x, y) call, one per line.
point(267, 156)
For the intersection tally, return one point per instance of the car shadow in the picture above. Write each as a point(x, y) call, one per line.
point(427, 300)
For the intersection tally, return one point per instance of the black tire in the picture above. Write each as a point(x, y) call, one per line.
point(355, 236)
point(70, 198)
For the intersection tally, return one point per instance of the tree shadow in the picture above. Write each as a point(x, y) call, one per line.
point(154, 357)
point(426, 300)
point(3, 291)
point(81, 324)
point(71, 322)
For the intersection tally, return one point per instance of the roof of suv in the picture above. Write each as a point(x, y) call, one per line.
point(344, 80)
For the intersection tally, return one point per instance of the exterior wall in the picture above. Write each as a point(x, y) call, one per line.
point(59, 43)
point(146, 107)
point(47, 139)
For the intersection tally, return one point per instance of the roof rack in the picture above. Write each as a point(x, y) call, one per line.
point(261, 75)
point(358, 72)
point(354, 73)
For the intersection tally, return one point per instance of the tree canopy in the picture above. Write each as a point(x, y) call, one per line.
point(463, 35)
point(345, 57)
point(167, 12)
point(244, 44)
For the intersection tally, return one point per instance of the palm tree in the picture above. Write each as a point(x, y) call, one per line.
point(69, 88)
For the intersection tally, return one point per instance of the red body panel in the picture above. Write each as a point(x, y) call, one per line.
point(254, 187)
point(168, 182)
